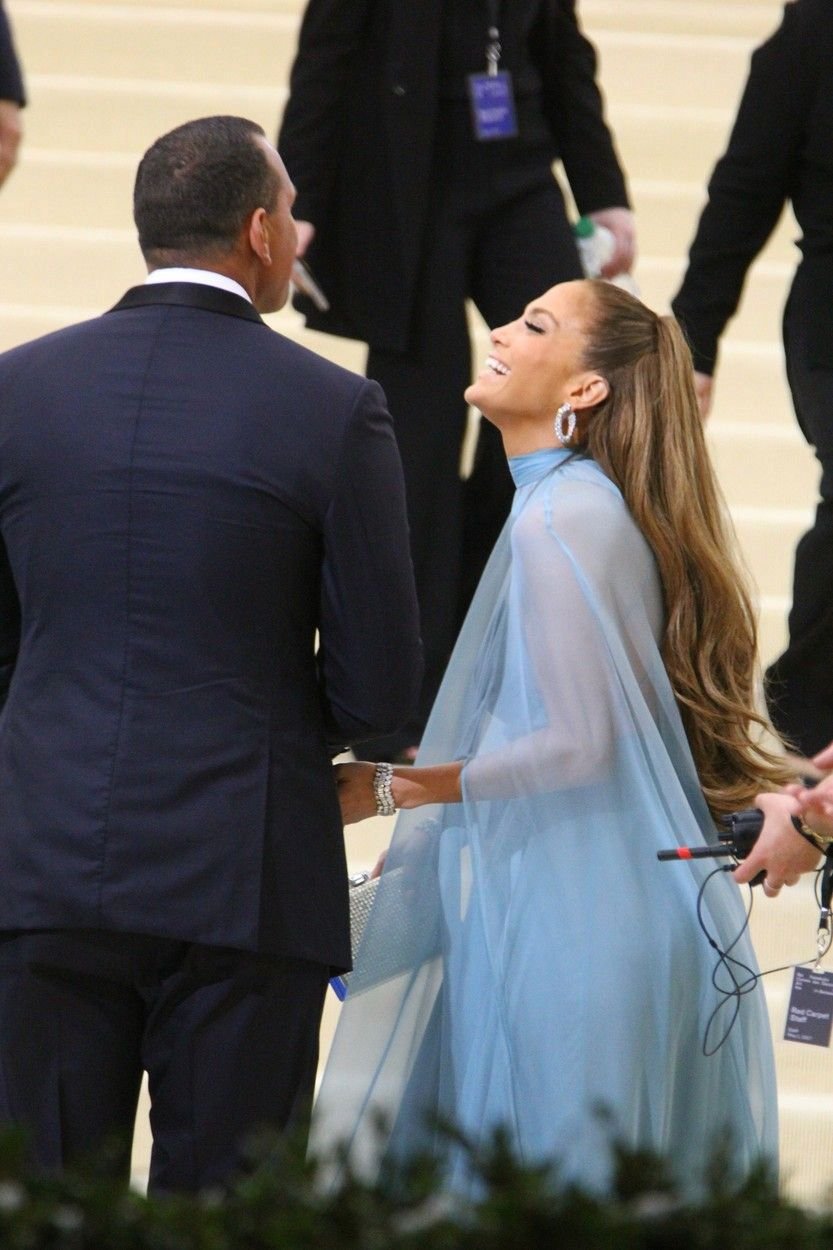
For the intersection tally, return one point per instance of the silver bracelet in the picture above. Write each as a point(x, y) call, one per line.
point(382, 792)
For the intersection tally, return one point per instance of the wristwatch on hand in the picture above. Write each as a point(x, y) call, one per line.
point(821, 841)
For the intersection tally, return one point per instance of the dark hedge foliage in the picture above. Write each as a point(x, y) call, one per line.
point(281, 1204)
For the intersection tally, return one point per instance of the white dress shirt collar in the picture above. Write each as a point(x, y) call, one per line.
point(203, 277)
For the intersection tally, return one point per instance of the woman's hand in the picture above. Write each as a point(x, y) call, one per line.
point(410, 787)
point(436, 783)
point(355, 791)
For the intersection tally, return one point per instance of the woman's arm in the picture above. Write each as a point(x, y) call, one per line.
point(411, 787)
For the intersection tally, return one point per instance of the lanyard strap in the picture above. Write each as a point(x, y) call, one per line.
point(493, 48)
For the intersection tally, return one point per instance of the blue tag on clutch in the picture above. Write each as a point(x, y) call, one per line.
point(493, 106)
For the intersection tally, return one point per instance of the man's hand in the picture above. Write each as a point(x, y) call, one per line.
point(779, 849)
point(355, 791)
point(620, 223)
point(11, 132)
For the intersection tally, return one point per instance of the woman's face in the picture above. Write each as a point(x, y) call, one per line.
point(533, 361)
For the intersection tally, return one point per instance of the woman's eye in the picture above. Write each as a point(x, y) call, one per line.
point(534, 327)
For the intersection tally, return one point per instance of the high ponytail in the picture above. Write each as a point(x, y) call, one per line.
point(647, 435)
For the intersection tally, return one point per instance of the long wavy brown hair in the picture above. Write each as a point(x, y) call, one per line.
point(647, 435)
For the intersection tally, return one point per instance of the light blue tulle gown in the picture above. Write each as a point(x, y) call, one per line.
point(528, 960)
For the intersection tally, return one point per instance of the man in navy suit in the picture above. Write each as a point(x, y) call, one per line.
point(187, 502)
point(12, 98)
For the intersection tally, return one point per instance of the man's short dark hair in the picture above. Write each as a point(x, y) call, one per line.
point(197, 185)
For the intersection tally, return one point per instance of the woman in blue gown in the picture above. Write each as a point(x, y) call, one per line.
point(528, 962)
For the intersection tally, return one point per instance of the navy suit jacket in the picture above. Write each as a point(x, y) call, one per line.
point(187, 500)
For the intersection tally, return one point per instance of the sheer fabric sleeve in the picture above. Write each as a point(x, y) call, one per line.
point(585, 609)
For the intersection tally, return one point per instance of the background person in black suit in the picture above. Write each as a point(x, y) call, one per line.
point(780, 149)
point(12, 99)
point(186, 498)
point(412, 214)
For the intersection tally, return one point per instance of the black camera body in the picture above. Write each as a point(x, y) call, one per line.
point(740, 831)
point(736, 838)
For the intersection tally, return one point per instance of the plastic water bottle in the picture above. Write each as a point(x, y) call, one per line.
point(595, 244)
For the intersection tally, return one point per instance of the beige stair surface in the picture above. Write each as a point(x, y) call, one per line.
point(106, 78)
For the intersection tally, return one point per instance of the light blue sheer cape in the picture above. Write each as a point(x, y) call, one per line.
point(556, 967)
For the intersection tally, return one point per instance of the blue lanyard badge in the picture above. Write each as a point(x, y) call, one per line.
point(492, 101)
point(493, 105)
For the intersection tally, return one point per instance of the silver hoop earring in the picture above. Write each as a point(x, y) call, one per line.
point(563, 435)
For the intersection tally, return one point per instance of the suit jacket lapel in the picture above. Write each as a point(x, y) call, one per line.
point(189, 295)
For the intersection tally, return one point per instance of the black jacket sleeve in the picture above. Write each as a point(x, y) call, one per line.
point(331, 34)
point(370, 654)
point(11, 78)
point(575, 110)
point(750, 183)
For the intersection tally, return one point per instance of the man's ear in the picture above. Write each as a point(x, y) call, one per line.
point(588, 390)
point(259, 235)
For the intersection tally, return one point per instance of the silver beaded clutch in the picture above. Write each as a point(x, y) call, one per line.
point(363, 891)
point(405, 922)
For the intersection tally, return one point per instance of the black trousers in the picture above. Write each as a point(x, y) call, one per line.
point(498, 235)
point(229, 1041)
point(800, 681)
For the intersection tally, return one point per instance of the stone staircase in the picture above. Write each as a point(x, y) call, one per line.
point(105, 79)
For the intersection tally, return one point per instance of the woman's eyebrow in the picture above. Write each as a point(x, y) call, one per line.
point(542, 312)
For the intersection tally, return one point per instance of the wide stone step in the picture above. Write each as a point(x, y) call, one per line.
point(751, 20)
point(767, 536)
point(242, 7)
point(680, 143)
point(765, 464)
point(59, 187)
point(750, 384)
point(759, 316)
point(667, 213)
point(668, 70)
point(126, 114)
point(159, 43)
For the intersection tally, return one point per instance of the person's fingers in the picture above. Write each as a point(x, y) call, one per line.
point(771, 891)
point(747, 869)
point(305, 232)
point(703, 389)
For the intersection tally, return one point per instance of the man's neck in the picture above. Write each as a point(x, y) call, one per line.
point(202, 277)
